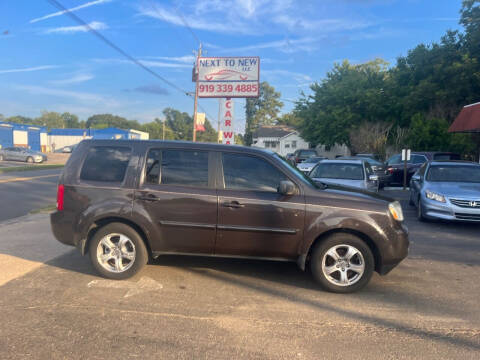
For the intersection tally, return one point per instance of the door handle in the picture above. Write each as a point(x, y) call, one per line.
point(148, 197)
point(233, 204)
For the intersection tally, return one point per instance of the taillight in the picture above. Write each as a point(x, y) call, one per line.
point(60, 192)
point(297, 159)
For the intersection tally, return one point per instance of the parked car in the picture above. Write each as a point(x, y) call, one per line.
point(290, 158)
point(369, 156)
point(122, 201)
point(448, 190)
point(395, 164)
point(17, 153)
point(307, 165)
point(68, 149)
point(352, 173)
point(303, 154)
point(379, 168)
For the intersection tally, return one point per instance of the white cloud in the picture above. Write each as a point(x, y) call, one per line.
point(285, 45)
point(150, 63)
point(288, 75)
point(95, 25)
point(249, 17)
point(186, 59)
point(75, 79)
point(79, 96)
point(34, 68)
point(58, 13)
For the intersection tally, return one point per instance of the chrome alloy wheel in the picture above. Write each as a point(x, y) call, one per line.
point(343, 265)
point(116, 253)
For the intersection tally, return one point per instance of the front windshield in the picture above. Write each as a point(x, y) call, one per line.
point(299, 174)
point(454, 173)
point(312, 160)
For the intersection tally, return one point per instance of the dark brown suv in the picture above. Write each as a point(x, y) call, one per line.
point(123, 201)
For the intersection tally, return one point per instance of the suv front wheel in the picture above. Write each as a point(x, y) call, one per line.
point(342, 263)
point(117, 251)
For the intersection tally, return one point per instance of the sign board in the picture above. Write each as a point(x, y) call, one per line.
point(406, 155)
point(200, 122)
point(226, 121)
point(228, 77)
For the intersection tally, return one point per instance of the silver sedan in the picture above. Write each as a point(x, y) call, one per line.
point(448, 190)
point(17, 153)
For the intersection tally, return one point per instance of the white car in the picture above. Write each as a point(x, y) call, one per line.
point(308, 164)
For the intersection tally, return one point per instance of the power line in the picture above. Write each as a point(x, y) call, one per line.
point(115, 47)
point(180, 15)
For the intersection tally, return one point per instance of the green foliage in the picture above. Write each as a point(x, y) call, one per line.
point(102, 121)
point(262, 110)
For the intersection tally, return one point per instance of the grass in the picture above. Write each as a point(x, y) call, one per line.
point(47, 209)
point(30, 167)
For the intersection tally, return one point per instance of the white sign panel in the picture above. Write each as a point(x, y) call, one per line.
point(228, 77)
point(226, 121)
point(406, 154)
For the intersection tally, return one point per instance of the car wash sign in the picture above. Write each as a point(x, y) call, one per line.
point(228, 77)
point(226, 121)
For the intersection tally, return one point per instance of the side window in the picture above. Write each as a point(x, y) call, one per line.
point(418, 159)
point(242, 172)
point(184, 167)
point(368, 169)
point(421, 171)
point(396, 159)
point(152, 167)
point(106, 163)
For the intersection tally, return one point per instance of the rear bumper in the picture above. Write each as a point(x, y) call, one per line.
point(62, 228)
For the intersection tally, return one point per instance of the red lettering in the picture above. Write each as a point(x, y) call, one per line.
point(228, 114)
point(228, 123)
point(228, 142)
point(228, 134)
point(228, 104)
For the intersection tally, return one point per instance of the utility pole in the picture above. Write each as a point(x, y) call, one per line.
point(199, 54)
point(163, 129)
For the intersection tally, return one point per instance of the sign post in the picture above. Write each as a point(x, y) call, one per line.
point(226, 120)
point(405, 159)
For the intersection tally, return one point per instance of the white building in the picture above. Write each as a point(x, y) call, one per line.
point(281, 139)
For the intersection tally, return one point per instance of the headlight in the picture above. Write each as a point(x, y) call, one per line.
point(396, 210)
point(434, 196)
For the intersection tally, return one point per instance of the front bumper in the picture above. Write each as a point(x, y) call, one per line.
point(447, 211)
point(396, 250)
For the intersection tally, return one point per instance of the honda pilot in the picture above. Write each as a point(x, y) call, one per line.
point(123, 201)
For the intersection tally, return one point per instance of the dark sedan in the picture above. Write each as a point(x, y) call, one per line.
point(395, 164)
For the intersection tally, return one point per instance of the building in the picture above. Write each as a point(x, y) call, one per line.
point(29, 136)
point(281, 139)
point(37, 138)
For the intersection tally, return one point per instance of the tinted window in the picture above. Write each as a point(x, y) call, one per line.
point(308, 153)
point(243, 172)
point(184, 167)
point(443, 157)
point(152, 167)
point(417, 159)
point(338, 171)
point(454, 173)
point(106, 163)
point(396, 159)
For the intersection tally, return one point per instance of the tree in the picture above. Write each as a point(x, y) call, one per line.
point(181, 125)
point(70, 120)
point(370, 137)
point(101, 121)
point(262, 110)
point(50, 119)
point(290, 119)
point(350, 95)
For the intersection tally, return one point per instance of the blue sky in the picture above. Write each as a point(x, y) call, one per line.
point(49, 62)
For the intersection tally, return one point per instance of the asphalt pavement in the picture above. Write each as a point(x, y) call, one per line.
point(53, 305)
point(24, 191)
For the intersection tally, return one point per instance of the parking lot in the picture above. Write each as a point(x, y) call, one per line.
point(54, 306)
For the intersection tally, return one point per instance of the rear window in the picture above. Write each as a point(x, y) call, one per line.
point(338, 171)
point(308, 152)
point(443, 157)
point(106, 163)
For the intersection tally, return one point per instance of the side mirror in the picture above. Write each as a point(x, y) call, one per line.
point(416, 177)
point(286, 188)
point(373, 178)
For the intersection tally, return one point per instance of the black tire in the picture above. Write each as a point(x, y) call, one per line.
point(420, 215)
point(321, 249)
point(410, 201)
point(141, 253)
point(29, 160)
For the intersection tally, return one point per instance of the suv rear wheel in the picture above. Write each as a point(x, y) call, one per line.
point(117, 251)
point(342, 263)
